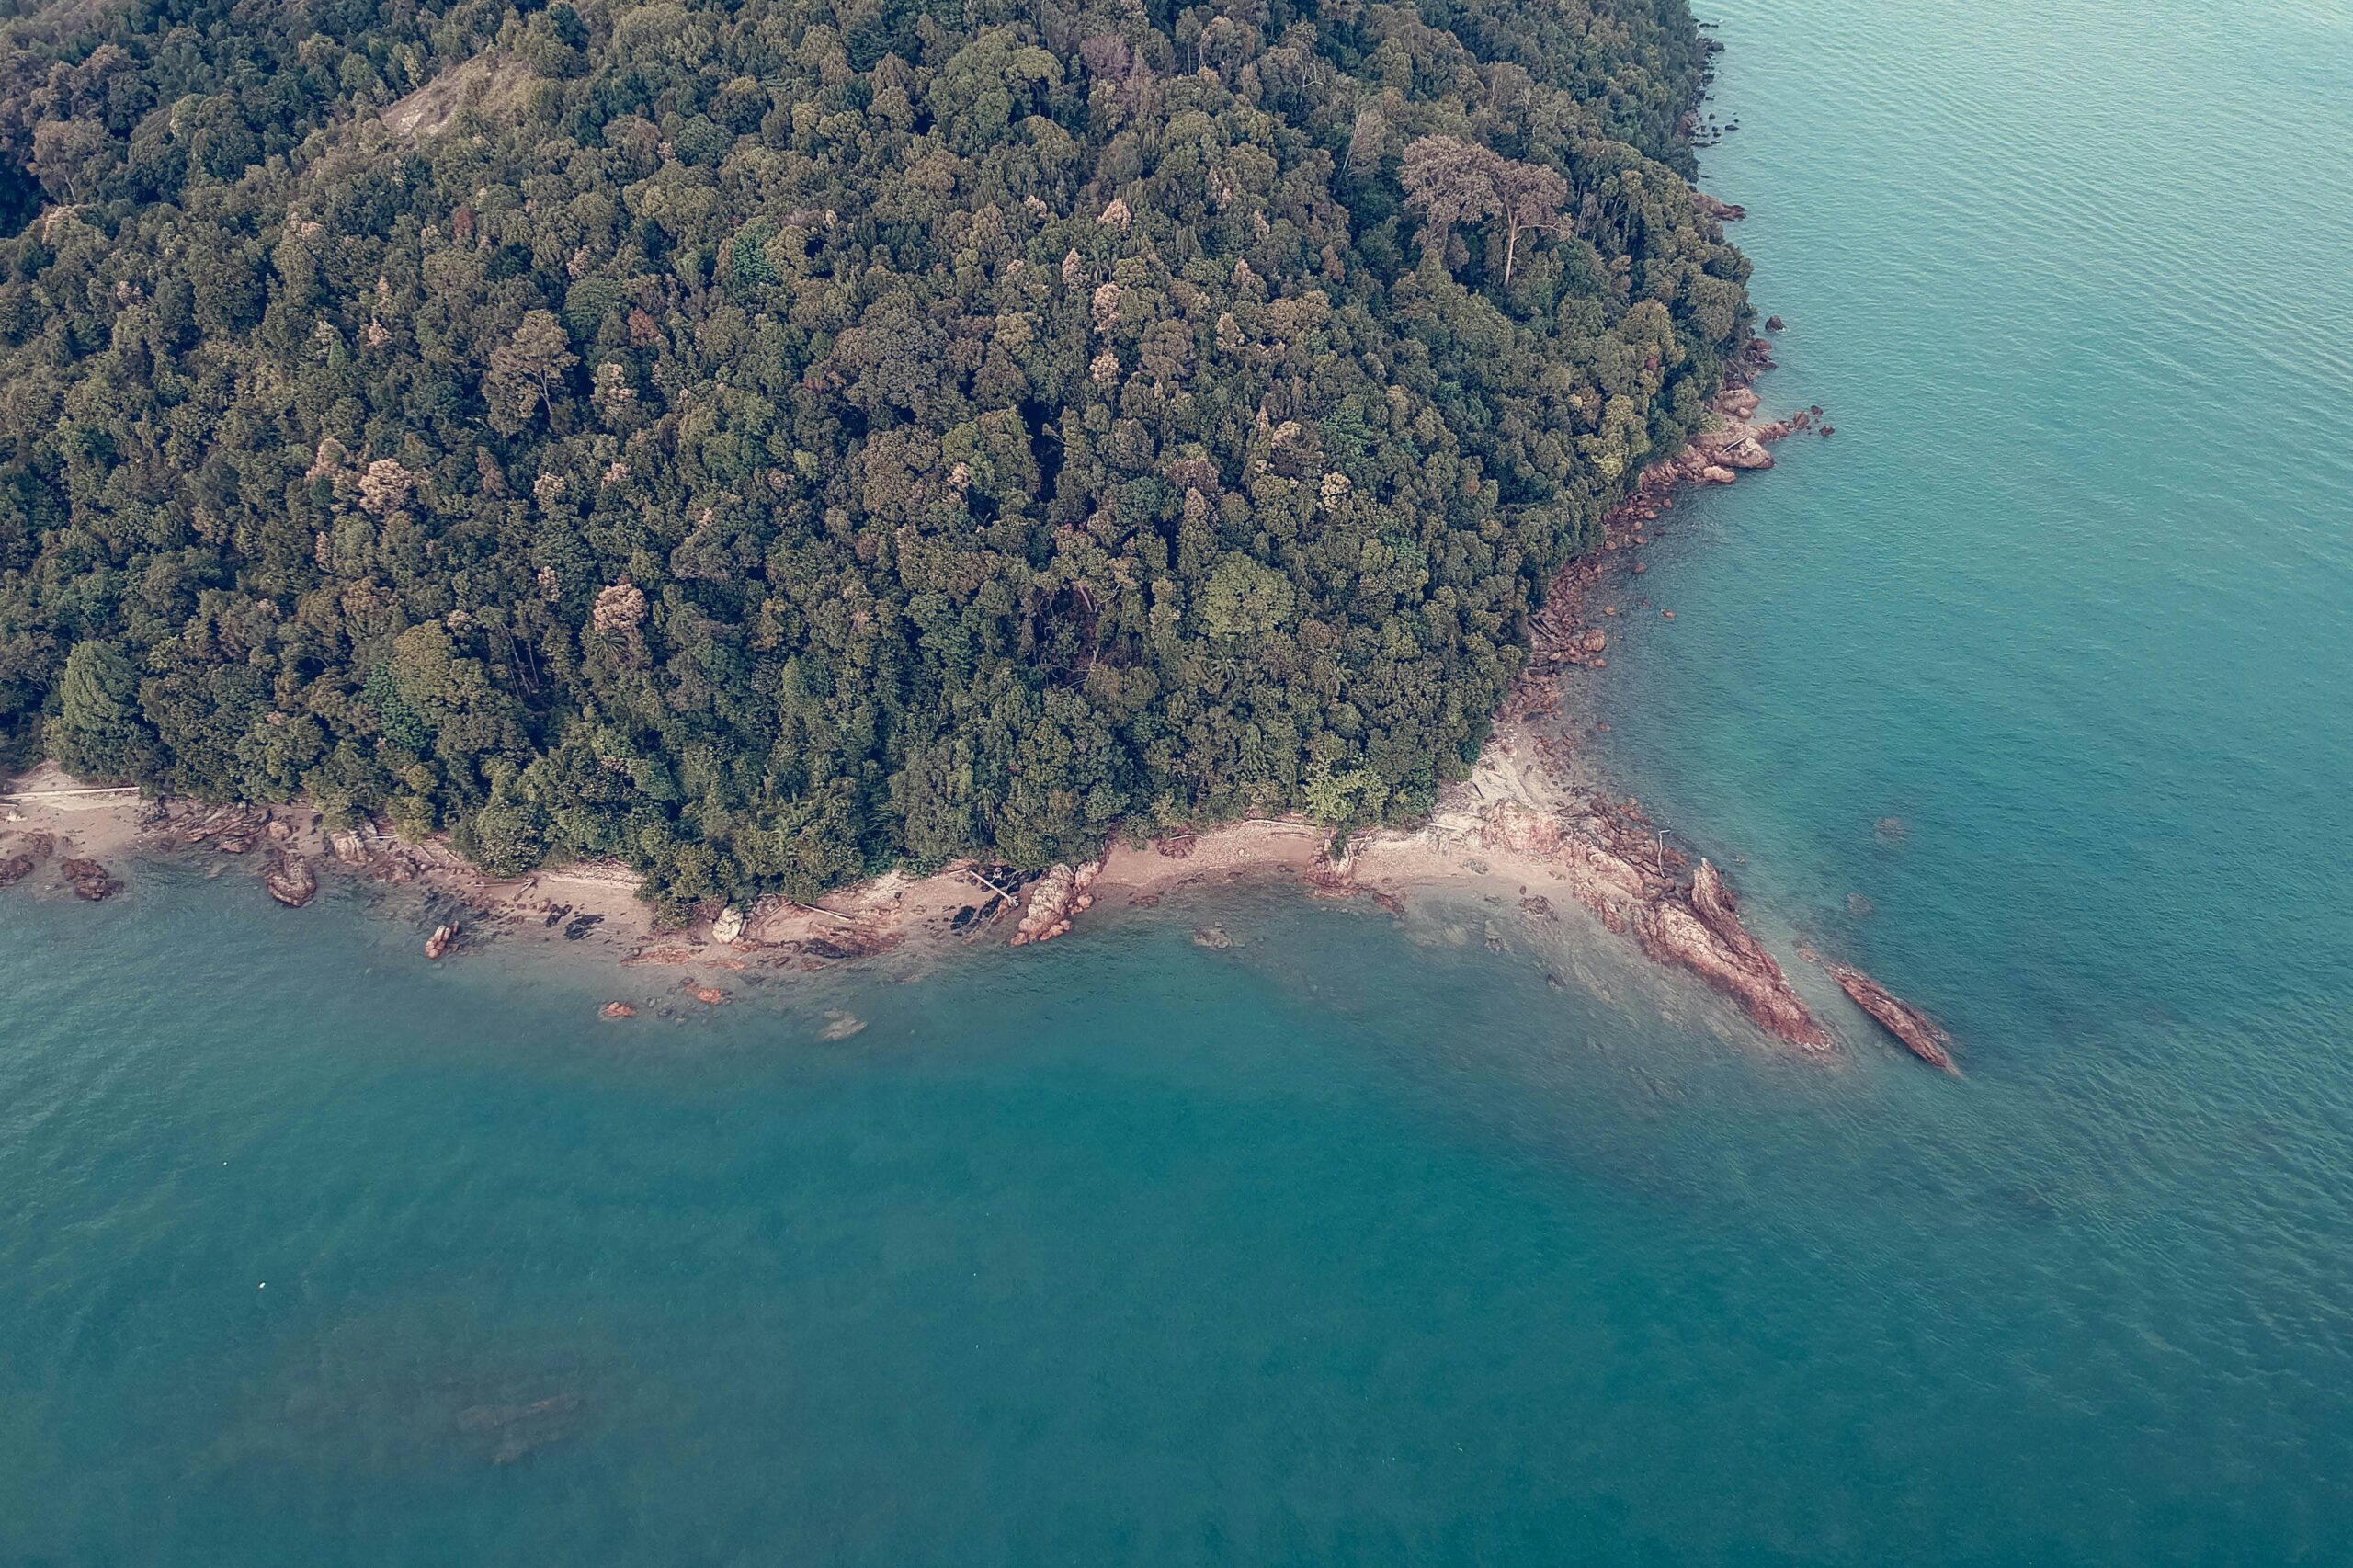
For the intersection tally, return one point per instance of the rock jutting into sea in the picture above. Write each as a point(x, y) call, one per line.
point(1695, 926)
point(290, 879)
point(1702, 931)
point(1918, 1033)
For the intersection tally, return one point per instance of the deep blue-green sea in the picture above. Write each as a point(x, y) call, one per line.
point(1361, 1242)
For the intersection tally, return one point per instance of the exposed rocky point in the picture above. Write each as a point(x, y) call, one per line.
point(1919, 1033)
point(1613, 866)
point(1703, 932)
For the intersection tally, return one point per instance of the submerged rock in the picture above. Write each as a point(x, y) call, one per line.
point(1918, 1033)
point(90, 880)
point(841, 1026)
point(29, 851)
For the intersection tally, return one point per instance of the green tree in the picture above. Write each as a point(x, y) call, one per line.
point(97, 733)
point(524, 371)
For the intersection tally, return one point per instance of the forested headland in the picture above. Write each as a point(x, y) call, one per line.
point(774, 440)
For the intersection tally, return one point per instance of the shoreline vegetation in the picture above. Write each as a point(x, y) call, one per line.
point(1532, 820)
point(681, 459)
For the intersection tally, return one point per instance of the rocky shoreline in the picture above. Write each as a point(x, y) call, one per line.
point(1530, 815)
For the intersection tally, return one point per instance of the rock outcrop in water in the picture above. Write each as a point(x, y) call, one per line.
point(438, 943)
point(1054, 899)
point(1919, 1033)
point(23, 856)
point(290, 879)
point(1701, 930)
point(89, 879)
point(1697, 929)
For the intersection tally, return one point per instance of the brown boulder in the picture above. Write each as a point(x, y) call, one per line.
point(90, 880)
point(290, 879)
point(438, 943)
point(616, 1010)
point(1054, 899)
point(30, 850)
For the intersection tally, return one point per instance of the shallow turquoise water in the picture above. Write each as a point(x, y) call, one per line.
point(1361, 1243)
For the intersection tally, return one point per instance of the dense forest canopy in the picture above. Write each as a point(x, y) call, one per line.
point(770, 440)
